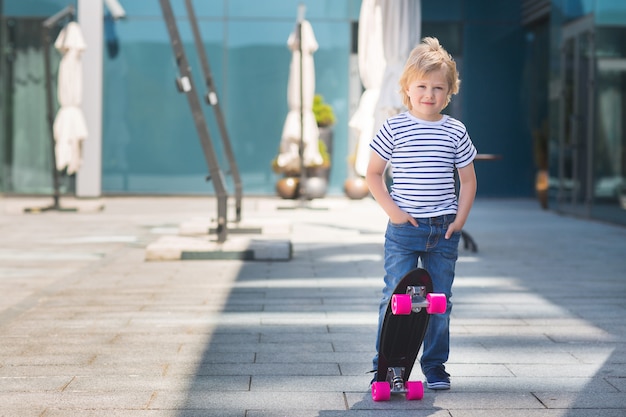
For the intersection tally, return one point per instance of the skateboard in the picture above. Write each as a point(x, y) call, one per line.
point(402, 334)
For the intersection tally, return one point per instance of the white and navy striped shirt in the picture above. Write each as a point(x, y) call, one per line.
point(424, 156)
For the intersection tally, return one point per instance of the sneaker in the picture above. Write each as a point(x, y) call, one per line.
point(374, 378)
point(437, 379)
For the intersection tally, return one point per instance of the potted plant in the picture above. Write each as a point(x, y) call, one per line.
point(324, 114)
point(316, 176)
point(325, 119)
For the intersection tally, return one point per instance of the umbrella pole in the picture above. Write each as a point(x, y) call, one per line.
point(46, 41)
point(50, 115)
point(303, 178)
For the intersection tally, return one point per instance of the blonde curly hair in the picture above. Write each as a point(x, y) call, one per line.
point(425, 58)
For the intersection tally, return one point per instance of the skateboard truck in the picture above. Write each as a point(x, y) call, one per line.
point(415, 299)
point(395, 384)
point(396, 376)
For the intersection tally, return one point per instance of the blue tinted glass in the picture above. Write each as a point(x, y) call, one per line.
point(288, 9)
point(611, 12)
point(491, 10)
point(34, 7)
point(143, 8)
point(442, 10)
point(573, 9)
point(150, 143)
point(487, 48)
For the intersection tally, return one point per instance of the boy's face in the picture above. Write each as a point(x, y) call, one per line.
point(429, 95)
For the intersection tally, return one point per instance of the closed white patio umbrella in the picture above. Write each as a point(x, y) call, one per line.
point(394, 26)
point(69, 127)
point(401, 31)
point(300, 92)
point(371, 59)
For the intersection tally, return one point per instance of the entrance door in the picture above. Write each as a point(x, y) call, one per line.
point(576, 117)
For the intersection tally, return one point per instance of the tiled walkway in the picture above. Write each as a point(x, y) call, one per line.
point(89, 328)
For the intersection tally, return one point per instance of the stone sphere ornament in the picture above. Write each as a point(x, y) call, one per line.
point(356, 188)
point(287, 187)
point(314, 187)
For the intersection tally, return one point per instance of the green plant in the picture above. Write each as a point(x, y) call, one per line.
point(324, 114)
point(324, 153)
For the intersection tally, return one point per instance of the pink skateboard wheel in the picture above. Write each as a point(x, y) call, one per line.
point(414, 390)
point(437, 303)
point(381, 391)
point(401, 304)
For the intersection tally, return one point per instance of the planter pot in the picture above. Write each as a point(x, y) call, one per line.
point(326, 136)
point(321, 172)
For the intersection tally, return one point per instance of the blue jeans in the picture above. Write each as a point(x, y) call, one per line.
point(405, 245)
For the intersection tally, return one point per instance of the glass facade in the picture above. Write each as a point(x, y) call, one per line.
point(559, 79)
point(150, 144)
point(587, 95)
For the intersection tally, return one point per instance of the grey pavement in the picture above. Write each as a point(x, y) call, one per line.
point(89, 327)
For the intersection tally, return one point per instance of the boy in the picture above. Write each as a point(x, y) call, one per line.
point(424, 148)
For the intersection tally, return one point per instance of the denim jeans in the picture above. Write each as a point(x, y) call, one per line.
point(405, 245)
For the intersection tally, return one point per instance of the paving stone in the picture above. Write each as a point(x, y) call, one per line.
point(22, 411)
point(33, 383)
point(313, 357)
point(536, 413)
point(161, 383)
point(486, 382)
point(235, 401)
point(278, 369)
point(583, 400)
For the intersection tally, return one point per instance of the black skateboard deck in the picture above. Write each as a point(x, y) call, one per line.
point(401, 337)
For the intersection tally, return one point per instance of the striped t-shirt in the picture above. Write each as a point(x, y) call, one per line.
point(424, 156)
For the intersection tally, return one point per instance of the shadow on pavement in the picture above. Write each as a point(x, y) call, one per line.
point(538, 323)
